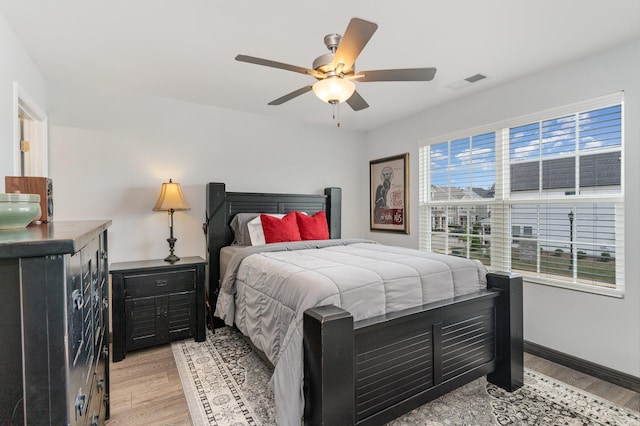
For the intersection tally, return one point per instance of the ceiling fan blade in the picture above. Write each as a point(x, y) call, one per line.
point(356, 102)
point(291, 95)
point(281, 65)
point(355, 38)
point(409, 74)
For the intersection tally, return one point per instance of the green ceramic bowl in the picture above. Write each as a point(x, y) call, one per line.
point(18, 210)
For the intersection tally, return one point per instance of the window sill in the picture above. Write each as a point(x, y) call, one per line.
point(585, 288)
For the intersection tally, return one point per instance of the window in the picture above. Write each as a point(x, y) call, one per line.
point(540, 195)
point(462, 176)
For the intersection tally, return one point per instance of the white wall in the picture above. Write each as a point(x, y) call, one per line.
point(15, 66)
point(110, 152)
point(599, 329)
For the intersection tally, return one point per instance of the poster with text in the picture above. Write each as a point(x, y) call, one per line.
point(389, 203)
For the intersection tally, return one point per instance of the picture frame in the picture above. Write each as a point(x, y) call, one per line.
point(389, 194)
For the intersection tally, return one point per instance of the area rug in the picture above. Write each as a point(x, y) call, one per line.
point(226, 383)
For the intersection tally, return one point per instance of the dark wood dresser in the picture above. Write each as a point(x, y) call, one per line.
point(156, 302)
point(54, 316)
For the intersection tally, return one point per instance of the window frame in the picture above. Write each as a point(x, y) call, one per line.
point(500, 205)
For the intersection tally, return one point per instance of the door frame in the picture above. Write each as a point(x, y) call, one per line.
point(24, 105)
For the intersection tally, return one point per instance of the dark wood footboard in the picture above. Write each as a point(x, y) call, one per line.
point(372, 371)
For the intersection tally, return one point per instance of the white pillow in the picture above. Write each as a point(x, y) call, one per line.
point(256, 234)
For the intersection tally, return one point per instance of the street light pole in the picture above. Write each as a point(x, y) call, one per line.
point(571, 240)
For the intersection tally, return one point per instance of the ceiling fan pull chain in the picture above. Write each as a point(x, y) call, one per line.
point(336, 106)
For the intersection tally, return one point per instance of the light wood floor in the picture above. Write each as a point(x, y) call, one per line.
point(614, 393)
point(146, 388)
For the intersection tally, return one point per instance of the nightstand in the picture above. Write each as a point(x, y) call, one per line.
point(156, 302)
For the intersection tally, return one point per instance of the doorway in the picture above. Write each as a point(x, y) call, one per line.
point(30, 141)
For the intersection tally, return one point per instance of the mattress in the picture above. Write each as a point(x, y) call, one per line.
point(266, 290)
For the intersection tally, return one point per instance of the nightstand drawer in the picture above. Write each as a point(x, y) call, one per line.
point(141, 285)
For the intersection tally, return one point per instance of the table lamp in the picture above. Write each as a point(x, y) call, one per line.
point(171, 199)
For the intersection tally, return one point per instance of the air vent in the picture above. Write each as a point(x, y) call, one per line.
point(475, 78)
point(457, 85)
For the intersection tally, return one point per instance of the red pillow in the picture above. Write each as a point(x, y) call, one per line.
point(313, 227)
point(278, 230)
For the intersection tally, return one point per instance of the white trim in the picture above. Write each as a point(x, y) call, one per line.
point(577, 199)
point(585, 288)
point(22, 102)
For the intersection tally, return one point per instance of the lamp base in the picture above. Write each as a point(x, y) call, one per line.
point(172, 242)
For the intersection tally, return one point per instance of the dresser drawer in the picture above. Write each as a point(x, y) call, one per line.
point(142, 285)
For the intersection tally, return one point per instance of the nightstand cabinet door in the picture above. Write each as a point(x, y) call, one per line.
point(181, 321)
point(159, 319)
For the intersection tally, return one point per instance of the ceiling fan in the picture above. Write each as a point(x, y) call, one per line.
point(336, 71)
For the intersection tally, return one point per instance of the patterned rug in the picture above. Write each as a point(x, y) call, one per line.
point(226, 383)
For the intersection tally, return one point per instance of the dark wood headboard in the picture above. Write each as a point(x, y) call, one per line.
point(222, 206)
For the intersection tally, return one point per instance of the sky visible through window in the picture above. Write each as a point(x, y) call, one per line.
point(464, 163)
point(470, 162)
point(598, 129)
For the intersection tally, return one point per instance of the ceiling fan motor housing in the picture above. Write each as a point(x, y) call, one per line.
point(324, 63)
point(332, 41)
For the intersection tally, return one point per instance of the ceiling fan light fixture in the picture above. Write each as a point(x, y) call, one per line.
point(334, 89)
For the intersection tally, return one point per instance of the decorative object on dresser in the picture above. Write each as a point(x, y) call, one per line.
point(155, 303)
point(171, 199)
point(54, 312)
point(34, 185)
point(18, 210)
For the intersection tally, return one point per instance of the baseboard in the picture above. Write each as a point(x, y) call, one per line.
point(596, 370)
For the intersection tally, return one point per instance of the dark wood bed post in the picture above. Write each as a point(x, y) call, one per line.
point(509, 372)
point(334, 211)
point(328, 367)
point(216, 231)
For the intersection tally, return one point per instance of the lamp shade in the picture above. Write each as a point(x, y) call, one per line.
point(171, 198)
point(334, 89)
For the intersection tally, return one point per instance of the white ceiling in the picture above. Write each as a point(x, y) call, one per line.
point(185, 49)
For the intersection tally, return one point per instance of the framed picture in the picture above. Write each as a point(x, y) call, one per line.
point(389, 194)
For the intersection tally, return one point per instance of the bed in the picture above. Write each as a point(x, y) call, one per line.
point(371, 370)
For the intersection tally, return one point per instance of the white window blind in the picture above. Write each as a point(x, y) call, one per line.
point(540, 195)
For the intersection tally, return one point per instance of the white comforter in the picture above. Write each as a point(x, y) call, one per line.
point(266, 290)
